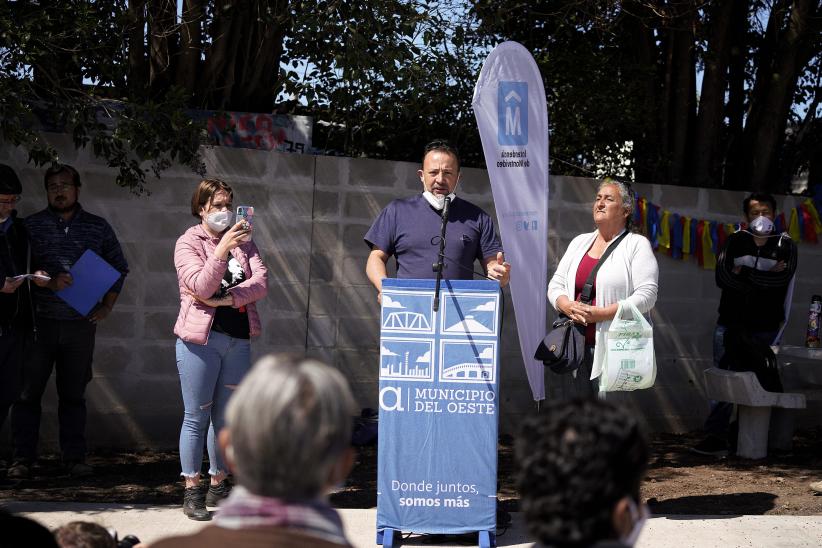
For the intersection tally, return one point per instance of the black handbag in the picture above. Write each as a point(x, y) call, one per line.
point(562, 350)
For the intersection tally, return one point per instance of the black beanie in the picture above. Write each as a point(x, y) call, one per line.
point(9, 183)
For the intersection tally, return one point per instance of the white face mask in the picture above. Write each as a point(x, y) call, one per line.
point(437, 201)
point(219, 220)
point(639, 516)
point(761, 226)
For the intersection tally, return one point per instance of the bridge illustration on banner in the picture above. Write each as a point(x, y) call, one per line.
point(407, 312)
point(471, 316)
point(467, 361)
point(407, 359)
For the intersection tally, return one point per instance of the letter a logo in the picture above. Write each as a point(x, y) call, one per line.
point(512, 113)
point(393, 403)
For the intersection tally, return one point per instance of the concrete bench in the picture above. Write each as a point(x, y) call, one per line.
point(754, 404)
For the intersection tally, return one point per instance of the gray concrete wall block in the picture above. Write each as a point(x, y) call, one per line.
point(331, 171)
point(359, 366)
point(352, 271)
point(161, 289)
point(474, 182)
point(353, 243)
point(365, 206)
point(160, 325)
point(359, 333)
point(323, 298)
point(322, 331)
point(327, 237)
point(114, 359)
point(366, 174)
point(159, 257)
point(286, 330)
point(327, 205)
point(358, 301)
point(283, 297)
point(575, 221)
point(120, 324)
point(227, 163)
point(159, 360)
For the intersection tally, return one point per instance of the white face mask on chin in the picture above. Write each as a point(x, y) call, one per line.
point(219, 220)
point(761, 226)
point(437, 201)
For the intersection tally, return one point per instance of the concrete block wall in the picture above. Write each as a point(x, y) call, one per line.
point(312, 213)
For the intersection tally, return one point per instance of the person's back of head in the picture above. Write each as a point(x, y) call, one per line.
point(84, 534)
point(580, 468)
point(288, 429)
point(22, 532)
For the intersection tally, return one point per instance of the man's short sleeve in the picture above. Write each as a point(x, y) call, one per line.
point(382, 233)
point(489, 242)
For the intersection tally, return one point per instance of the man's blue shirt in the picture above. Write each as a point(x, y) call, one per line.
point(57, 244)
point(409, 229)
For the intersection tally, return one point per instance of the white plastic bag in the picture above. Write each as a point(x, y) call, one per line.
point(630, 363)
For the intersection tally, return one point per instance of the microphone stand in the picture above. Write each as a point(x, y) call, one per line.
point(439, 264)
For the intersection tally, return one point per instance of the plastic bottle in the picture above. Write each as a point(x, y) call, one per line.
point(812, 336)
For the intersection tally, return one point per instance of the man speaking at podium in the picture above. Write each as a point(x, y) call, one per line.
point(410, 228)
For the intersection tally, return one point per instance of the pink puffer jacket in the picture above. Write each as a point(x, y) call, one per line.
point(200, 272)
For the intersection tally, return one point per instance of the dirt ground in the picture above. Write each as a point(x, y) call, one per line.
point(678, 482)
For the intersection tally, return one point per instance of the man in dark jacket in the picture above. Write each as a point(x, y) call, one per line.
point(59, 236)
point(15, 299)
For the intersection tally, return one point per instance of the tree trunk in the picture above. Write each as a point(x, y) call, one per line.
point(217, 78)
point(708, 134)
point(161, 44)
point(735, 111)
point(683, 91)
point(640, 43)
point(191, 31)
point(259, 62)
point(773, 93)
point(137, 64)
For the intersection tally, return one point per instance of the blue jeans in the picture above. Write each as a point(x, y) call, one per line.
point(209, 373)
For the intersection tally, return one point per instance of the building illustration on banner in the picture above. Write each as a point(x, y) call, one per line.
point(407, 359)
point(467, 361)
point(407, 312)
point(512, 113)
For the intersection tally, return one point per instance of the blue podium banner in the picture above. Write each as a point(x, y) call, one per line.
point(439, 401)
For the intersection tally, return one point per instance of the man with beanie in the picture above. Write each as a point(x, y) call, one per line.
point(59, 236)
point(15, 299)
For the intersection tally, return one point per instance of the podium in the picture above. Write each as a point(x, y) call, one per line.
point(439, 409)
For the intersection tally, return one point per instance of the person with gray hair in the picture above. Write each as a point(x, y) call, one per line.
point(287, 441)
point(629, 273)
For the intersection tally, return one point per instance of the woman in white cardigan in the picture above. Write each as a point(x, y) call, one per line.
point(629, 273)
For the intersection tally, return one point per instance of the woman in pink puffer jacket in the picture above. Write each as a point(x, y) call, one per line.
point(221, 275)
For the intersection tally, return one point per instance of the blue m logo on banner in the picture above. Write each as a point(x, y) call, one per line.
point(512, 113)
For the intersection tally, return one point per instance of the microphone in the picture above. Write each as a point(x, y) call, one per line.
point(445, 210)
point(441, 255)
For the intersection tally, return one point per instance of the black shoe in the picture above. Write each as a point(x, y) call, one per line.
point(711, 446)
point(218, 492)
point(19, 470)
point(194, 504)
point(79, 469)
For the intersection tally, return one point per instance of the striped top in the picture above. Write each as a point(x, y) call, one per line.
point(57, 244)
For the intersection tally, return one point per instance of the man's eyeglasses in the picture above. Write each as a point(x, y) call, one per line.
point(10, 201)
point(55, 187)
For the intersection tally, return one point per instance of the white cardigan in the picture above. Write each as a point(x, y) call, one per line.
point(629, 273)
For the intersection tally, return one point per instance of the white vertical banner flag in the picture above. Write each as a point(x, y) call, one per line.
point(512, 116)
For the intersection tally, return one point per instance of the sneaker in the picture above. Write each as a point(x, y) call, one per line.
point(19, 470)
point(816, 487)
point(711, 446)
point(79, 469)
point(194, 505)
point(218, 492)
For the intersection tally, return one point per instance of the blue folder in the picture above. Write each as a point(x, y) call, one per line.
point(93, 277)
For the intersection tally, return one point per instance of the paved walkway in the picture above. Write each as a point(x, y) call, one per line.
point(154, 522)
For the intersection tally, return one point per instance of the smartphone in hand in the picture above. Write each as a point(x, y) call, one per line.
point(246, 213)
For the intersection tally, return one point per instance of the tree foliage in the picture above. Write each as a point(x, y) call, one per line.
point(626, 71)
point(381, 78)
